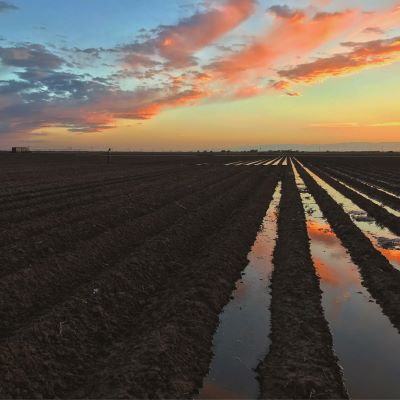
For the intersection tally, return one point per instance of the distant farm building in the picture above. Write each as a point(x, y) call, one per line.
point(21, 150)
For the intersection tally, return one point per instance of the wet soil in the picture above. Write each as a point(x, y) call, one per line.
point(379, 276)
point(301, 362)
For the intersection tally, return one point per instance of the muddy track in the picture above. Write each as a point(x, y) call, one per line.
point(379, 276)
point(382, 216)
point(301, 363)
point(385, 198)
point(54, 278)
point(99, 220)
point(64, 343)
point(204, 287)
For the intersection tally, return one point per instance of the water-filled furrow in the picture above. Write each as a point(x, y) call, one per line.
point(242, 338)
point(277, 162)
point(382, 238)
point(270, 162)
point(364, 182)
point(379, 203)
point(367, 344)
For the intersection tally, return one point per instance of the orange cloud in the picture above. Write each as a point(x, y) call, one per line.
point(178, 43)
point(363, 55)
point(294, 33)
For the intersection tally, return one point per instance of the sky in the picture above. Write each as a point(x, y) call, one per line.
point(198, 74)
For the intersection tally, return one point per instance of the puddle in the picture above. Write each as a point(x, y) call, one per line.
point(368, 225)
point(367, 345)
point(242, 338)
point(285, 162)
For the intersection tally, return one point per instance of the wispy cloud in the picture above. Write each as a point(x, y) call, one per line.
point(362, 56)
point(6, 6)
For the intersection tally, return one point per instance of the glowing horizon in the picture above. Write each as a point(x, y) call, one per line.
point(198, 75)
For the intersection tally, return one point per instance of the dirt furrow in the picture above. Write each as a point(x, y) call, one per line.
point(18, 211)
point(301, 362)
point(380, 214)
point(385, 198)
point(191, 301)
point(53, 279)
point(75, 226)
point(375, 179)
point(122, 197)
point(379, 276)
point(64, 343)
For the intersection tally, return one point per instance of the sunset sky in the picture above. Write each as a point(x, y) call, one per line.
point(189, 74)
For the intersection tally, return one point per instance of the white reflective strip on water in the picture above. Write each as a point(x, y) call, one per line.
point(233, 163)
point(387, 208)
point(242, 341)
point(254, 162)
point(367, 184)
point(367, 344)
point(382, 238)
point(270, 162)
point(277, 161)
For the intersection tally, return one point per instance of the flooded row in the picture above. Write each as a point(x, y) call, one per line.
point(242, 338)
point(382, 238)
point(367, 344)
point(379, 203)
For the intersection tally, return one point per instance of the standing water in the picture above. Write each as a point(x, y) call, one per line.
point(242, 338)
point(367, 344)
point(382, 238)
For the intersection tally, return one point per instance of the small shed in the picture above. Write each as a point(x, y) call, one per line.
point(21, 150)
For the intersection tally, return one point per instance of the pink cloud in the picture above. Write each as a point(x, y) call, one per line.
point(363, 55)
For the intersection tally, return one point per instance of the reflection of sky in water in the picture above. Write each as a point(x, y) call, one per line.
point(241, 340)
point(369, 226)
point(387, 208)
point(367, 345)
point(381, 189)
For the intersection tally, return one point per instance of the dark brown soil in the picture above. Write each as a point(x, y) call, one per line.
point(113, 276)
point(301, 363)
point(379, 276)
point(124, 303)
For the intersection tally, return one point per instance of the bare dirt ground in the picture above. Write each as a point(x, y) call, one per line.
point(113, 276)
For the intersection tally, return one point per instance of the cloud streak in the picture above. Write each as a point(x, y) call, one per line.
point(363, 55)
point(6, 6)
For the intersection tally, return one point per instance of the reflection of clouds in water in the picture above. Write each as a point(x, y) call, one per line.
point(393, 256)
point(327, 275)
point(367, 224)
